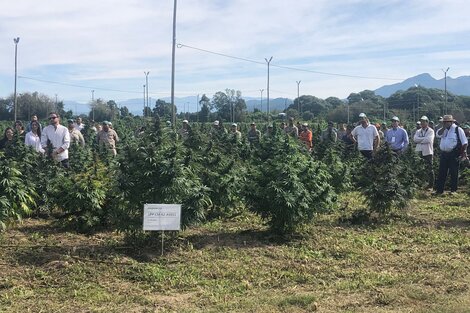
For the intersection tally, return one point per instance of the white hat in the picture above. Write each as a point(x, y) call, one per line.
point(216, 123)
point(395, 118)
point(234, 124)
point(305, 124)
point(424, 118)
point(362, 115)
point(448, 118)
point(185, 121)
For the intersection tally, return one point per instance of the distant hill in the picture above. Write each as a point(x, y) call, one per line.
point(277, 104)
point(457, 86)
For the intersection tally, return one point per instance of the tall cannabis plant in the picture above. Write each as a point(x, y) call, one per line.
point(286, 186)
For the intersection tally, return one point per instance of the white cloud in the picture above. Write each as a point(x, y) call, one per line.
point(110, 43)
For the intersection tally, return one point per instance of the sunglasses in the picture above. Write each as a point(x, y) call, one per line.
point(52, 117)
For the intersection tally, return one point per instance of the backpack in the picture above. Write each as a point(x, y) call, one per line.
point(458, 147)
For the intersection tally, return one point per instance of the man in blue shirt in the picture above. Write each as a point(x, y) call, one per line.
point(397, 137)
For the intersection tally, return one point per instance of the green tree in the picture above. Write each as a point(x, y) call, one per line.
point(163, 110)
point(228, 103)
point(205, 109)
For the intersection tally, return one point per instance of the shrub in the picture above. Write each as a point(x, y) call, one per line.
point(381, 183)
point(285, 186)
point(153, 169)
point(16, 199)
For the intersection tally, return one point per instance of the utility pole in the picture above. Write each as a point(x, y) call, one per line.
point(56, 104)
point(445, 89)
point(173, 68)
point(298, 97)
point(267, 92)
point(144, 102)
point(147, 88)
point(261, 90)
point(15, 103)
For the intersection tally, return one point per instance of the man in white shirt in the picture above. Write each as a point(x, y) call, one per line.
point(366, 136)
point(453, 147)
point(78, 124)
point(424, 139)
point(58, 137)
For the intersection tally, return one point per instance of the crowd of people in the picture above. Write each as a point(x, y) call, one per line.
point(55, 139)
point(451, 139)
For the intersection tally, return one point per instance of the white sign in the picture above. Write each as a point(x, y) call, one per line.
point(162, 216)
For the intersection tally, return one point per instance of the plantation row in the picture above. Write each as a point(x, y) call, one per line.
point(211, 176)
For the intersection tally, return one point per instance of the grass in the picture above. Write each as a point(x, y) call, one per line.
point(417, 262)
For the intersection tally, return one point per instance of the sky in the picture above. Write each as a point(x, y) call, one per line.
point(69, 48)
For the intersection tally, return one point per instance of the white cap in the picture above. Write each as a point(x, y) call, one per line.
point(185, 121)
point(362, 115)
point(216, 123)
point(424, 118)
point(305, 124)
point(234, 124)
point(395, 118)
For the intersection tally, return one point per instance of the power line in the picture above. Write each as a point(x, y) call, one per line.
point(77, 86)
point(86, 87)
point(288, 67)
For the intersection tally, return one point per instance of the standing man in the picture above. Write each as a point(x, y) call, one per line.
point(397, 137)
point(306, 136)
point(78, 124)
point(184, 131)
point(329, 134)
point(424, 139)
point(236, 135)
point(453, 146)
point(366, 136)
point(466, 130)
point(34, 118)
point(76, 136)
point(58, 137)
point(108, 138)
point(291, 129)
point(253, 134)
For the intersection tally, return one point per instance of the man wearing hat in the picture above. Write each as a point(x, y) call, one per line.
point(424, 139)
point(453, 147)
point(269, 131)
point(236, 135)
point(253, 134)
point(217, 129)
point(76, 136)
point(466, 130)
point(366, 136)
point(184, 131)
point(108, 138)
point(397, 137)
point(306, 136)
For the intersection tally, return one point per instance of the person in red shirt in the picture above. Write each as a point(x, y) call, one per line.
point(306, 136)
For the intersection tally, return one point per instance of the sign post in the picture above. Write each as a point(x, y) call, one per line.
point(162, 217)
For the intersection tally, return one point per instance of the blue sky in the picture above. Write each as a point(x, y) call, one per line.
point(108, 44)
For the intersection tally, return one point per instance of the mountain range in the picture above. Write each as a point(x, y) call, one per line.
point(457, 86)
